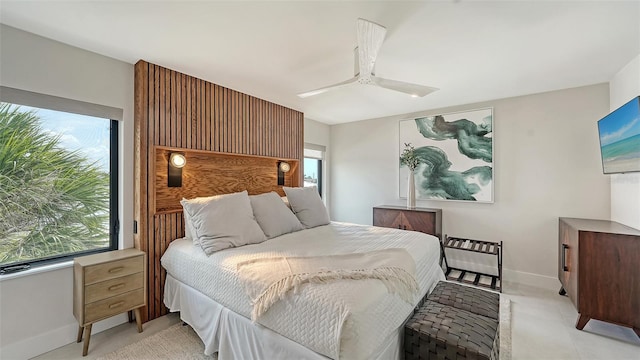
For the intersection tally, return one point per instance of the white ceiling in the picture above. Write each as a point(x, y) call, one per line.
point(471, 50)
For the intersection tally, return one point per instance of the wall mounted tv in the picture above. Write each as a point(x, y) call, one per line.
point(620, 139)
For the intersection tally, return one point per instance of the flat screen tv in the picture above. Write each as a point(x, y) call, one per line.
point(620, 139)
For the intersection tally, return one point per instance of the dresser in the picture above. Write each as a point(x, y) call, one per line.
point(425, 220)
point(598, 266)
point(107, 284)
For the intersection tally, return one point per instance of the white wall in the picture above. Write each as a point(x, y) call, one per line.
point(36, 306)
point(625, 188)
point(547, 165)
point(320, 134)
point(316, 132)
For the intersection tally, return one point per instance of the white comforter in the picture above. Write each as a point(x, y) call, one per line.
point(344, 319)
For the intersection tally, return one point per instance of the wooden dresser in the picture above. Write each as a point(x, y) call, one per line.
point(598, 266)
point(108, 284)
point(425, 220)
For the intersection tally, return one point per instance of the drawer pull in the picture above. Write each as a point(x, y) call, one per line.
point(563, 258)
point(116, 287)
point(116, 269)
point(115, 305)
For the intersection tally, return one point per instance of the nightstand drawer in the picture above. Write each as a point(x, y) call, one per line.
point(113, 287)
point(113, 305)
point(113, 269)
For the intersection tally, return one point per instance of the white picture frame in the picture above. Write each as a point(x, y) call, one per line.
point(456, 151)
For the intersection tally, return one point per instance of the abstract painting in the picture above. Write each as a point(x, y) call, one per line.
point(456, 156)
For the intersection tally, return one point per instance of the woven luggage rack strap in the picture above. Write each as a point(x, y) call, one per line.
point(474, 300)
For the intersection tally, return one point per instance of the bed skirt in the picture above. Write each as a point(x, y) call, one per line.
point(233, 336)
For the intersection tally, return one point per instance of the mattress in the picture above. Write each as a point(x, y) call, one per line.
point(342, 319)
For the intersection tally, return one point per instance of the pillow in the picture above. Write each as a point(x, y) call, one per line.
point(307, 205)
point(273, 216)
point(286, 201)
point(188, 227)
point(223, 221)
point(189, 231)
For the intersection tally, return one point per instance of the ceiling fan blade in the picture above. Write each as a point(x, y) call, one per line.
point(414, 90)
point(370, 38)
point(327, 88)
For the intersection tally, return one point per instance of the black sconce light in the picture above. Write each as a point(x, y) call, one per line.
point(283, 167)
point(176, 162)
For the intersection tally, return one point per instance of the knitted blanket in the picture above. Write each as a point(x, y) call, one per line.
point(269, 280)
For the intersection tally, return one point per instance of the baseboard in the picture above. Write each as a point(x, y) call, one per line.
point(54, 339)
point(530, 279)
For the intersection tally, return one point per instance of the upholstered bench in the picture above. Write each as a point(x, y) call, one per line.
point(455, 322)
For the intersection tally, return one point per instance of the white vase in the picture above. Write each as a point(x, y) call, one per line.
point(411, 191)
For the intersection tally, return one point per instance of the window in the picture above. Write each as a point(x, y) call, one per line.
point(58, 185)
point(313, 156)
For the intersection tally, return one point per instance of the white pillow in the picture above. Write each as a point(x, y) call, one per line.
point(286, 201)
point(224, 221)
point(273, 216)
point(188, 227)
point(307, 205)
point(189, 231)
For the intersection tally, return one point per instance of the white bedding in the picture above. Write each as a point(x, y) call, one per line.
point(342, 319)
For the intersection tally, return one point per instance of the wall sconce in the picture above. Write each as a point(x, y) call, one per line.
point(283, 167)
point(176, 162)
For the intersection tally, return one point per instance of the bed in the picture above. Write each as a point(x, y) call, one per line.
point(341, 319)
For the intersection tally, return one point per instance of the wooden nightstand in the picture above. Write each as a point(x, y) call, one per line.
point(108, 284)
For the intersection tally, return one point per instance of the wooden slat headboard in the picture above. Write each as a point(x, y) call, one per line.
point(232, 142)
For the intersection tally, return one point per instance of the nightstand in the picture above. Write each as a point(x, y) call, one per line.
point(105, 285)
point(428, 221)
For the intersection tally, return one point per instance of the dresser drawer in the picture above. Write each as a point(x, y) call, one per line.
point(428, 221)
point(113, 269)
point(113, 306)
point(113, 287)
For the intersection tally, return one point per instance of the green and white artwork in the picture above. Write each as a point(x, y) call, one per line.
point(456, 156)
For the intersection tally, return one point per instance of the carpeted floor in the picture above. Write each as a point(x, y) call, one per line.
point(505, 328)
point(181, 342)
point(175, 342)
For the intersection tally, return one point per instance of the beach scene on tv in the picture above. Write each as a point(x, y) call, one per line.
point(620, 139)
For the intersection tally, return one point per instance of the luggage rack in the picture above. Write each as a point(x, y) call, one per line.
point(477, 246)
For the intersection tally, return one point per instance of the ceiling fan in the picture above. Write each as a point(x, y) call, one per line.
point(370, 38)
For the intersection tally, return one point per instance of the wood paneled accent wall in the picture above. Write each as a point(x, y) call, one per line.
point(223, 174)
point(232, 142)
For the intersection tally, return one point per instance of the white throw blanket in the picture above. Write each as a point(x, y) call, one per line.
point(268, 280)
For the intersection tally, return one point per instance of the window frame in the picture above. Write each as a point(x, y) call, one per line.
point(319, 185)
point(20, 97)
point(322, 150)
